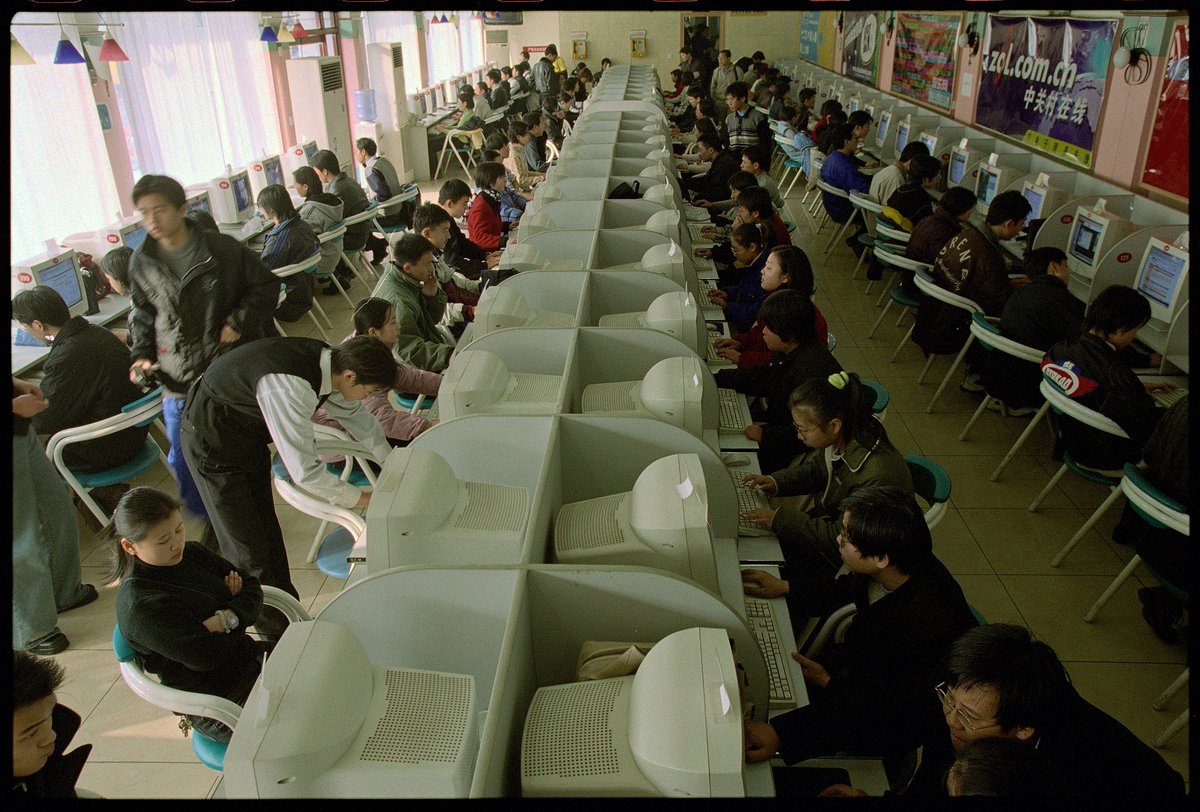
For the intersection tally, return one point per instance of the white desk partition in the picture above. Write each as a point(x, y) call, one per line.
point(612, 292)
point(603, 167)
point(581, 151)
point(636, 105)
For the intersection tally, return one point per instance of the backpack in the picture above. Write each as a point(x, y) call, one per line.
point(623, 191)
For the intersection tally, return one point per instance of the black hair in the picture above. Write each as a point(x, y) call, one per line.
point(494, 75)
point(677, 73)
point(516, 129)
point(410, 248)
point(34, 678)
point(370, 313)
point(604, 60)
point(795, 265)
point(708, 109)
point(747, 234)
point(367, 357)
point(957, 200)
point(552, 49)
point(452, 190)
point(550, 106)
point(850, 401)
point(789, 314)
point(487, 173)
point(739, 90)
point(758, 200)
point(685, 49)
point(482, 85)
point(1010, 205)
point(707, 126)
point(758, 154)
point(137, 512)
point(275, 199)
point(533, 119)
point(696, 92)
point(42, 303)
point(169, 188)
point(1037, 262)
point(787, 112)
point(115, 265)
point(326, 161)
point(806, 93)
point(1116, 308)
point(308, 176)
point(1031, 683)
point(367, 145)
point(999, 766)
point(489, 155)
point(711, 140)
point(429, 215)
point(201, 220)
point(924, 167)
point(758, 56)
point(913, 149)
point(506, 69)
point(742, 180)
point(886, 520)
point(830, 105)
point(495, 141)
point(839, 135)
point(521, 67)
point(858, 118)
point(467, 97)
point(727, 52)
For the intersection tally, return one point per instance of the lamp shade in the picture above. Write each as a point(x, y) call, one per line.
point(110, 51)
point(268, 35)
point(285, 35)
point(298, 31)
point(66, 53)
point(19, 55)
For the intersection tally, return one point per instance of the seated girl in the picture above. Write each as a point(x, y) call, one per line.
point(182, 608)
point(484, 226)
point(741, 301)
point(847, 449)
point(787, 268)
point(377, 317)
point(524, 178)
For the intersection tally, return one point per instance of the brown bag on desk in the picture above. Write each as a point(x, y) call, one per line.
point(601, 660)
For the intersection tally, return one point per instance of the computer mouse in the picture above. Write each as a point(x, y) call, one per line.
point(735, 460)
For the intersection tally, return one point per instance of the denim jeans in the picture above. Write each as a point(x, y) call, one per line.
point(172, 411)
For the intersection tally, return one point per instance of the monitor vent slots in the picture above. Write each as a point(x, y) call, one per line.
point(411, 731)
point(535, 388)
point(590, 524)
point(572, 738)
point(609, 397)
point(496, 508)
point(623, 320)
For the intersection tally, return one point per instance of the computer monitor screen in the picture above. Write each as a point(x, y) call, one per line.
point(1034, 196)
point(310, 149)
point(241, 192)
point(958, 165)
point(930, 141)
point(902, 136)
point(881, 134)
point(273, 170)
point(199, 202)
point(989, 182)
point(1162, 277)
point(134, 235)
point(870, 108)
point(1085, 239)
point(63, 277)
point(853, 105)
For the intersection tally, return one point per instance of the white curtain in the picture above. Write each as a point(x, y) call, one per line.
point(397, 26)
point(195, 92)
point(60, 175)
point(471, 33)
point(442, 48)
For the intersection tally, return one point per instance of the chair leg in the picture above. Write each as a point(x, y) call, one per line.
point(837, 236)
point(925, 369)
point(1112, 588)
point(279, 327)
point(879, 320)
point(971, 422)
point(1033, 506)
point(1179, 724)
point(900, 346)
point(887, 288)
point(858, 265)
point(1012, 452)
point(90, 503)
point(957, 360)
point(1171, 690)
point(320, 327)
point(441, 157)
point(321, 310)
point(333, 278)
point(795, 177)
point(1088, 525)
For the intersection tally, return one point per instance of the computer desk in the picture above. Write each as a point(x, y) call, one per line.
point(112, 307)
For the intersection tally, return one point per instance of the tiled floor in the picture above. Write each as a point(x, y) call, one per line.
point(998, 550)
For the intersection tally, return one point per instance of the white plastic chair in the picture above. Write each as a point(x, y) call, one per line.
point(854, 214)
point(474, 141)
point(816, 160)
point(211, 753)
point(140, 412)
point(930, 288)
point(867, 207)
point(355, 259)
point(392, 206)
point(338, 233)
point(1181, 720)
point(304, 266)
point(988, 334)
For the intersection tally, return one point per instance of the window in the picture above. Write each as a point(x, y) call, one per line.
point(443, 50)
point(195, 93)
point(401, 27)
point(471, 40)
point(62, 181)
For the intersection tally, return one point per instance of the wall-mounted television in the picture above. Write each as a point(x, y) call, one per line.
point(502, 17)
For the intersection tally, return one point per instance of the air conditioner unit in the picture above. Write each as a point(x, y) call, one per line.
point(385, 67)
point(318, 91)
point(495, 46)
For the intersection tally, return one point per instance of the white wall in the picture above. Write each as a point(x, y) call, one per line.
point(776, 35)
point(608, 36)
point(537, 28)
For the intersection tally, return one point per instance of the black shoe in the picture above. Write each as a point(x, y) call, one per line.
point(52, 643)
point(1163, 614)
point(89, 594)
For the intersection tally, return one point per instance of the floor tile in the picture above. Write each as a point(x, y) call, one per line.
point(1017, 542)
point(1020, 482)
point(124, 727)
point(91, 626)
point(986, 593)
point(89, 675)
point(937, 433)
point(954, 545)
point(147, 780)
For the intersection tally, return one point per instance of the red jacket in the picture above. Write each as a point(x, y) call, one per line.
point(483, 223)
point(754, 349)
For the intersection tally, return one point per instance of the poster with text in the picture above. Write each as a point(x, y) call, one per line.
point(818, 37)
point(860, 46)
point(1167, 155)
point(925, 49)
point(1043, 82)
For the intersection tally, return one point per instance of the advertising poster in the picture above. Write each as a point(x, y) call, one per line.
point(860, 46)
point(1043, 82)
point(818, 37)
point(925, 50)
point(1167, 154)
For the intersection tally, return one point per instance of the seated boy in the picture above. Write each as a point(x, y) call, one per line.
point(756, 159)
point(741, 301)
point(42, 729)
point(411, 284)
point(462, 294)
point(754, 207)
point(912, 198)
point(524, 178)
point(461, 254)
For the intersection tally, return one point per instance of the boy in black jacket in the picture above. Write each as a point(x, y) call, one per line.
point(42, 729)
point(460, 253)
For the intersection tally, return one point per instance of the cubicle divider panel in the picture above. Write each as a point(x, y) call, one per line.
point(612, 292)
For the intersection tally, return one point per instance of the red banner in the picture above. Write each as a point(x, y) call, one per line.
point(1167, 154)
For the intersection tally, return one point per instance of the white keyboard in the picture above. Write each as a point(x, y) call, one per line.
point(712, 356)
point(1167, 398)
point(731, 412)
point(749, 497)
point(696, 230)
point(704, 264)
point(695, 214)
point(761, 616)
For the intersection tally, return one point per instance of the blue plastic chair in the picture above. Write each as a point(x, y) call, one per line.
point(882, 398)
point(931, 483)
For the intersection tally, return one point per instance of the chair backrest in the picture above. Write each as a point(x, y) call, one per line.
point(899, 260)
point(1062, 403)
point(931, 483)
point(865, 202)
point(929, 287)
point(890, 232)
point(990, 337)
point(1152, 504)
point(882, 398)
point(364, 215)
point(304, 266)
point(140, 412)
point(833, 190)
point(334, 232)
point(816, 159)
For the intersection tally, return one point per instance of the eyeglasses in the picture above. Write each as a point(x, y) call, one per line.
point(969, 722)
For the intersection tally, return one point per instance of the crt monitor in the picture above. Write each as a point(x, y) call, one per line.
point(672, 729)
point(930, 141)
point(1035, 196)
point(501, 307)
point(1093, 235)
point(310, 149)
point(674, 313)
point(853, 104)
point(58, 271)
point(419, 507)
point(679, 391)
point(199, 201)
point(324, 721)
point(662, 523)
point(902, 132)
point(273, 170)
point(881, 130)
point(478, 382)
point(988, 185)
point(133, 234)
point(957, 171)
point(231, 199)
point(1162, 279)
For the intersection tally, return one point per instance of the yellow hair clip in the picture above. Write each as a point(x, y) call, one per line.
point(838, 380)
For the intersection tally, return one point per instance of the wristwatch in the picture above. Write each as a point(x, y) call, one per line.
point(229, 619)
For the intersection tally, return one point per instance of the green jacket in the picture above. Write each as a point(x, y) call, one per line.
point(421, 344)
point(830, 481)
